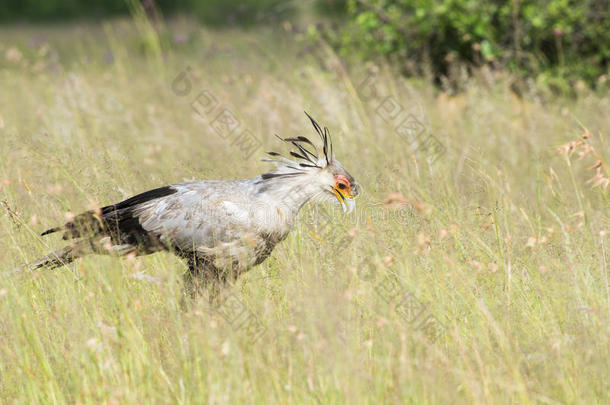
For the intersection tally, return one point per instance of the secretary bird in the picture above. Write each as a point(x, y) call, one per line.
point(221, 228)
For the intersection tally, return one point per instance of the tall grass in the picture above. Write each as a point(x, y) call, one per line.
point(501, 240)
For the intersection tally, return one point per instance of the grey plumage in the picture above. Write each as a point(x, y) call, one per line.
point(221, 228)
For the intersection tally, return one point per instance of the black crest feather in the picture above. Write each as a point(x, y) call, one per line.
point(325, 136)
point(302, 152)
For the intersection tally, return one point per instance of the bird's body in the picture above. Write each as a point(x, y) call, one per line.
point(222, 228)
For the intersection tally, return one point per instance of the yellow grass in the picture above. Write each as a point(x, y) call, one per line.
point(500, 242)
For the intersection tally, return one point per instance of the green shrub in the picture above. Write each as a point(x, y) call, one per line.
point(556, 39)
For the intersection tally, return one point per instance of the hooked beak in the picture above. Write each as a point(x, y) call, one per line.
point(348, 201)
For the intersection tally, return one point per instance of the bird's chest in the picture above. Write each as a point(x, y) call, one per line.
point(275, 221)
point(274, 225)
point(242, 253)
point(264, 249)
point(251, 241)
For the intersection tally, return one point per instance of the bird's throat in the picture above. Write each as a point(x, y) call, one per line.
point(289, 194)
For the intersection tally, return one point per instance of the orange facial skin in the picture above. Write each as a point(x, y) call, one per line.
point(342, 187)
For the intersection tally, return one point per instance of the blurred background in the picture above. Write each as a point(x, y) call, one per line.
point(559, 44)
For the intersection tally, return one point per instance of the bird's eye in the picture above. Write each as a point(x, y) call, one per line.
point(342, 186)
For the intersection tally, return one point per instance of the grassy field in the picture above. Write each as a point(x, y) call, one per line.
point(474, 270)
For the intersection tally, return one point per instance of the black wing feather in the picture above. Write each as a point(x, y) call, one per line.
point(112, 220)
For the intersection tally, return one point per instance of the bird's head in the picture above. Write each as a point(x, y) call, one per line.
point(319, 175)
point(336, 182)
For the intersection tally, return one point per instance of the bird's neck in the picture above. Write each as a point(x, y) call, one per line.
point(289, 193)
point(279, 200)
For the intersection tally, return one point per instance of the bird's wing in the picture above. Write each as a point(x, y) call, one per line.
point(209, 217)
point(214, 219)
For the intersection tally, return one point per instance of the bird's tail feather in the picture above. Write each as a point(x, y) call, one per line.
point(56, 259)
